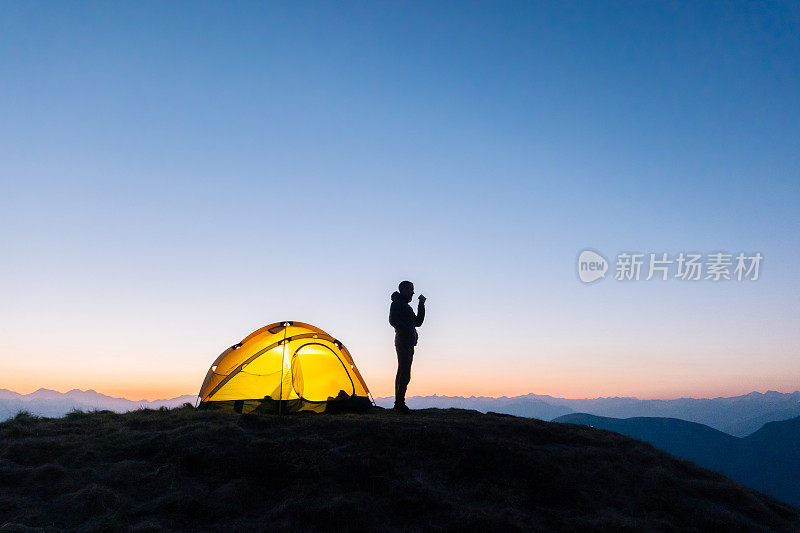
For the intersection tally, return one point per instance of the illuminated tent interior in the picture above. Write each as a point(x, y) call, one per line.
point(285, 367)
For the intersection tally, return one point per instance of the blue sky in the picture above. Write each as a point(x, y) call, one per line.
point(176, 175)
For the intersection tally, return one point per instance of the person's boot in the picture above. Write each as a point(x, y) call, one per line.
point(401, 408)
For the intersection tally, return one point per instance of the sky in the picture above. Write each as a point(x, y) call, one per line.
point(175, 175)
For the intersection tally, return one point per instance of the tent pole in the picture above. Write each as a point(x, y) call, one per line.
point(283, 361)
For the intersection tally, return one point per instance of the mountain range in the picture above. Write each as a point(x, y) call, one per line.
point(737, 415)
point(50, 403)
point(767, 460)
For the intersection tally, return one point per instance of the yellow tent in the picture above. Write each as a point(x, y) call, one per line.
point(285, 367)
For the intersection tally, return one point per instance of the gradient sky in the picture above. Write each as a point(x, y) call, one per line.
point(177, 174)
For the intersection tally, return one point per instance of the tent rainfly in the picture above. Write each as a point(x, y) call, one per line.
point(285, 367)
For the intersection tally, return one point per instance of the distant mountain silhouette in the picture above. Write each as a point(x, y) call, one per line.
point(6, 394)
point(433, 470)
point(736, 415)
point(50, 403)
point(768, 460)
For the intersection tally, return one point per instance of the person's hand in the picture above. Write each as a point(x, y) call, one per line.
point(422, 299)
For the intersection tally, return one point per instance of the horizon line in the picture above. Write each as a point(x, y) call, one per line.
point(376, 398)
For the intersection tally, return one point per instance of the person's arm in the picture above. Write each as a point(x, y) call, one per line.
point(418, 319)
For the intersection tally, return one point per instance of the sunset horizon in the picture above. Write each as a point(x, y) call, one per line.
point(593, 221)
point(144, 395)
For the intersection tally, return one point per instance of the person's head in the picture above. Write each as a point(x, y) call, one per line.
point(406, 288)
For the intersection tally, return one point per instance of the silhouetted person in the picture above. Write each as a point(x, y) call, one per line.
point(405, 324)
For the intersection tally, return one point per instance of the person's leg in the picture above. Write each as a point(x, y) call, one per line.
point(400, 382)
point(405, 355)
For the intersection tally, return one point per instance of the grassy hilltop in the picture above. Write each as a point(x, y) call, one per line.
point(183, 469)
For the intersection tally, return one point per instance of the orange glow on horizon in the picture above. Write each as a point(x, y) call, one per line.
point(560, 377)
point(429, 387)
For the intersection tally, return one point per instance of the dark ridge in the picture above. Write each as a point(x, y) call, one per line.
point(768, 460)
point(452, 469)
